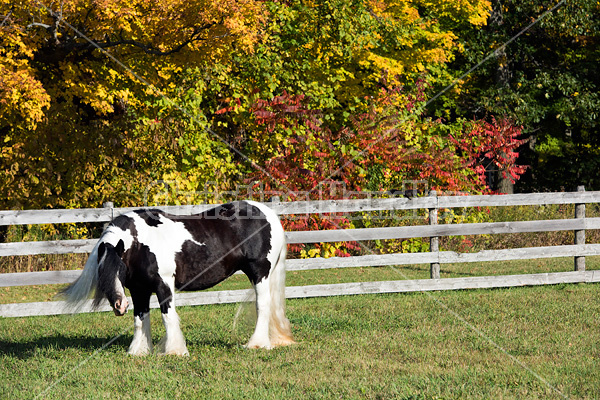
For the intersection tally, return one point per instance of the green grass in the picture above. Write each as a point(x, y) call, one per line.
point(509, 343)
point(537, 342)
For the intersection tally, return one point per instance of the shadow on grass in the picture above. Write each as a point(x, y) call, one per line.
point(28, 349)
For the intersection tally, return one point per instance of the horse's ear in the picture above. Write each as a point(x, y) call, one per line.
point(120, 248)
point(101, 251)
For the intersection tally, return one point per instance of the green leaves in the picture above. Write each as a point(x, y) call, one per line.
point(545, 80)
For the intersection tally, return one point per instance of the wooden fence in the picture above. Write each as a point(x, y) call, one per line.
point(579, 250)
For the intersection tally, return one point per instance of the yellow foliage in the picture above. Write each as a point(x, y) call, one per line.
point(426, 43)
point(134, 31)
point(322, 250)
point(23, 99)
point(65, 141)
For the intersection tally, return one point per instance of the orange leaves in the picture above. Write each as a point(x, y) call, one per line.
point(155, 39)
point(23, 99)
point(94, 144)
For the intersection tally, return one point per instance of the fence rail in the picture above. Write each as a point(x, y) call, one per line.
point(402, 232)
point(433, 204)
point(106, 214)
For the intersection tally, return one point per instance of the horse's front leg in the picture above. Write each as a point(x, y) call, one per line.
point(174, 341)
point(142, 338)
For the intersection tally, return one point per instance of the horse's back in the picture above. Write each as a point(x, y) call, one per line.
point(234, 236)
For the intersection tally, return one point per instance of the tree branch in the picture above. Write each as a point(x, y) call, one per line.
point(71, 42)
point(149, 49)
point(34, 24)
point(146, 48)
point(6, 17)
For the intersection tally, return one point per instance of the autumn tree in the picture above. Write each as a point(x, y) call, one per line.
point(545, 80)
point(379, 150)
point(117, 95)
point(339, 55)
point(86, 113)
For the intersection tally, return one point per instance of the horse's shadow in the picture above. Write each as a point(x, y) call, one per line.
point(28, 349)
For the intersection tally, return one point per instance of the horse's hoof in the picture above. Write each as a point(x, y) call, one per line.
point(256, 345)
point(139, 353)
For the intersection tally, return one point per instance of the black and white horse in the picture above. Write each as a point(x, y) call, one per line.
point(148, 251)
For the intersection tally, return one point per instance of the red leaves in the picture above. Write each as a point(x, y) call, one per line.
point(491, 143)
point(236, 103)
point(379, 150)
point(281, 111)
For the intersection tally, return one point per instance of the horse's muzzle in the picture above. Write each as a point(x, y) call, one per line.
point(120, 307)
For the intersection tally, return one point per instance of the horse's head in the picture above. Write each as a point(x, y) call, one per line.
point(111, 277)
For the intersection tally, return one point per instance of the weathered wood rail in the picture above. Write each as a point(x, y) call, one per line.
point(579, 250)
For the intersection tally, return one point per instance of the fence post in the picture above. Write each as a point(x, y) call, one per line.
point(434, 242)
point(111, 205)
point(580, 234)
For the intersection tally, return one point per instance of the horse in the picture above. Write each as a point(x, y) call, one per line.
point(149, 251)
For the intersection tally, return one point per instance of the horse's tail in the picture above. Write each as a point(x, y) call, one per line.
point(79, 291)
point(280, 332)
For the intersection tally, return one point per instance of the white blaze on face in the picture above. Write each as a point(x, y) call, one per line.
point(121, 305)
point(114, 234)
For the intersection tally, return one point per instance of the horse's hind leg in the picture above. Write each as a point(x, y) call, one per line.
point(260, 274)
point(142, 339)
point(174, 341)
point(260, 337)
point(280, 331)
point(272, 326)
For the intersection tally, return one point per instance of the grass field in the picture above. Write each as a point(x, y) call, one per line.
point(538, 342)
